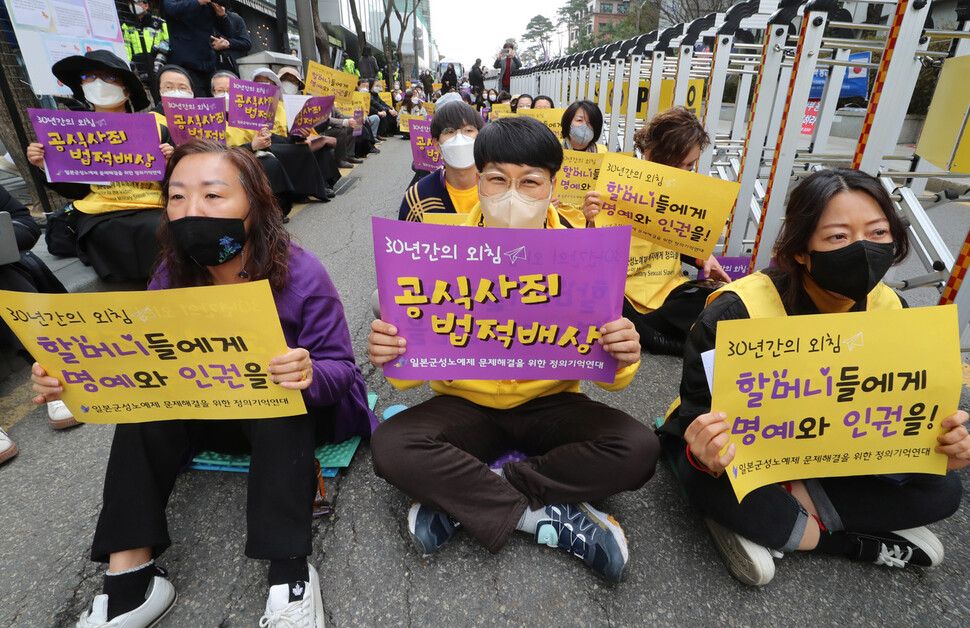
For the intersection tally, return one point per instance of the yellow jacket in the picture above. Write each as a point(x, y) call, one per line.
point(509, 393)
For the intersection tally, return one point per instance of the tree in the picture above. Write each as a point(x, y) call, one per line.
point(537, 31)
point(676, 12)
point(403, 21)
point(361, 39)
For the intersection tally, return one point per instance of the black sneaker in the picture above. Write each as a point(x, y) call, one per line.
point(589, 534)
point(661, 344)
point(916, 546)
point(429, 528)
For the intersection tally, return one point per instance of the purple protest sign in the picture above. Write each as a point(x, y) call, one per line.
point(478, 303)
point(252, 105)
point(735, 267)
point(195, 118)
point(426, 157)
point(92, 147)
point(360, 120)
point(315, 110)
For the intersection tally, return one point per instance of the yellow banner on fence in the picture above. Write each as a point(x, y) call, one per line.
point(324, 81)
point(404, 121)
point(837, 394)
point(552, 118)
point(681, 210)
point(577, 176)
point(128, 357)
point(693, 101)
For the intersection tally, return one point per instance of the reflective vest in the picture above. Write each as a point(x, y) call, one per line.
point(142, 40)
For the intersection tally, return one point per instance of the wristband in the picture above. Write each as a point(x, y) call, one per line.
point(696, 465)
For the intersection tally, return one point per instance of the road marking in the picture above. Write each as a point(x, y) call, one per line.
point(16, 405)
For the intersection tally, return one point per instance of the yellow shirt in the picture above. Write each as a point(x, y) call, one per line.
point(124, 195)
point(653, 271)
point(509, 393)
point(463, 200)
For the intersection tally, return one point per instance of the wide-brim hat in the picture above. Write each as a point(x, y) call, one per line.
point(69, 70)
point(288, 71)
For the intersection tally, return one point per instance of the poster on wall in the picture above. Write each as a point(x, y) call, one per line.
point(50, 30)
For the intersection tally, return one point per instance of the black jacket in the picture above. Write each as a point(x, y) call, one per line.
point(189, 26)
point(239, 44)
point(476, 78)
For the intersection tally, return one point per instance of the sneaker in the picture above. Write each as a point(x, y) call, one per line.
point(159, 600)
point(746, 560)
point(8, 449)
point(916, 546)
point(589, 534)
point(60, 416)
point(295, 605)
point(429, 528)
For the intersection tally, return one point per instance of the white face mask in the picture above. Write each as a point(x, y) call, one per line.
point(491, 97)
point(524, 107)
point(224, 95)
point(103, 94)
point(178, 93)
point(363, 90)
point(137, 9)
point(397, 98)
point(290, 89)
point(459, 151)
point(514, 211)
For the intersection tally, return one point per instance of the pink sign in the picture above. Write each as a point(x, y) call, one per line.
point(91, 147)
point(479, 303)
point(252, 105)
point(426, 156)
point(810, 117)
point(195, 119)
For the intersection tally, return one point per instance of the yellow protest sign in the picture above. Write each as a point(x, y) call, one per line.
point(404, 121)
point(552, 118)
point(836, 394)
point(437, 86)
point(361, 102)
point(324, 81)
point(428, 107)
point(577, 176)
point(945, 138)
point(681, 210)
point(386, 97)
point(500, 110)
point(438, 218)
point(188, 353)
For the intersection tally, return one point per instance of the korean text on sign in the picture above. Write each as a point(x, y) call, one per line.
point(189, 353)
point(252, 105)
point(92, 147)
point(426, 156)
point(324, 81)
point(577, 176)
point(681, 210)
point(195, 119)
point(478, 303)
point(836, 394)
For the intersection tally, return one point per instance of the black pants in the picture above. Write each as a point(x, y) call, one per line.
point(146, 457)
point(120, 245)
point(772, 517)
point(676, 314)
point(579, 450)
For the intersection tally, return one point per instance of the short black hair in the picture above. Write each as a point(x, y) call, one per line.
point(519, 140)
point(593, 114)
point(366, 51)
point(545, 98)
point(454, 115)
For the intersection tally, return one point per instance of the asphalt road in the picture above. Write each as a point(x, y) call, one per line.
point(50, 498)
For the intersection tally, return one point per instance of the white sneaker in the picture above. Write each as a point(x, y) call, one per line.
point(60, 416)
point(746, 560)
point(159, 600)
point(8, 449)
point(306, 612)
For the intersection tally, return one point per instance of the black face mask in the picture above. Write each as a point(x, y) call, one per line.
point(209, 241)
point(854, 270)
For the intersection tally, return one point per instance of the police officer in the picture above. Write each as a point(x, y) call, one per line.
point(146, 40)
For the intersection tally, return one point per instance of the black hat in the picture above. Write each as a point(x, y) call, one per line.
point(69, 69)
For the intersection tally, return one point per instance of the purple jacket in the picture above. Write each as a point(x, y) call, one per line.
point(312, 317)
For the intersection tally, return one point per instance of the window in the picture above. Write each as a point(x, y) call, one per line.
point(606, 8)
point(622, 8)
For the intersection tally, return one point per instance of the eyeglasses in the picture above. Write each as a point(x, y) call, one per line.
point(107, 78)
point(495, 183)
point(472, 133)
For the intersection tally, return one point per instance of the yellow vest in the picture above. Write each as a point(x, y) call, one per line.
point(509, 393)
point(762, 300)
point(122, 195)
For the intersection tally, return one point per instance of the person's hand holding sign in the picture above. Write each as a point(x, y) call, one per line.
point(47, 388)
point(592, 206)
point(293, 369)
point(956, 442)
point(167, 150)
point(262, 140)
point(35, 154)
point(706, 436)
point(383, 343)
point(713, 270)
point(621, 340)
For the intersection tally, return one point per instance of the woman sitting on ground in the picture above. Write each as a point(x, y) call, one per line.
point(840, 236)
point(212, 193)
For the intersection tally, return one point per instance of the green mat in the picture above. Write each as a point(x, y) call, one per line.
point(332, 456)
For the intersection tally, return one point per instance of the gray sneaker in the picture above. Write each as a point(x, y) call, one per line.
point(746, 560)
point(589, 534)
